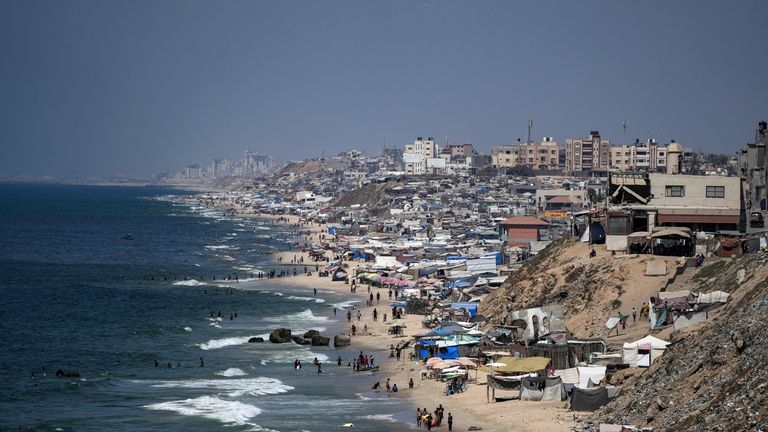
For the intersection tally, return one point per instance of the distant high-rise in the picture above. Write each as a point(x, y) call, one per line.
point(256, 164)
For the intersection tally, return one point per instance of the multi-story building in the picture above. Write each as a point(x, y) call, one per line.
point(587, 156)
point(420, 157)
point(454, 152)
point(752, 167)
point(255, 164)
point(541, 156)
point(504, 156)
point(222, 168)
point(645, 156)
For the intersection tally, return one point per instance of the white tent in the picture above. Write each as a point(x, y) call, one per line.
point(643, 351)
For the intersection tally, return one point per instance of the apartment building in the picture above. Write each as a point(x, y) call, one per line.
point(541, 156)
point(420, 156)
point(588, 156)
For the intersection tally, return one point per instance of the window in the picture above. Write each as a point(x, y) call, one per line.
point(715, 191)
point(675, 191)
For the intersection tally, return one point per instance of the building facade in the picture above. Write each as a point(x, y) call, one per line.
point(588, 156)
point(419, 156)
point(541, 156)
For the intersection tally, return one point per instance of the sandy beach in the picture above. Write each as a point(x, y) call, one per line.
point(469, 408)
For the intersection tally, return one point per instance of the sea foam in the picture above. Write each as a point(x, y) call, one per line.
point(191, 282)
point(211, 407)
point(233, 388)
point(231, 372)
point(314, 299)
point(229, 341)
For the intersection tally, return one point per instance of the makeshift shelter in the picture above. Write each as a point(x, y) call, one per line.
point(588, 399)
point(339, 274)
point(643, 352)
point(542, 388)
point(519, 365)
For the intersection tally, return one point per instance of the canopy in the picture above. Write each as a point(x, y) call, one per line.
point(519, 365)
point(671, 233)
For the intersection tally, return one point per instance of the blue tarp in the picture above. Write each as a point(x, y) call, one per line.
point(332, 230)
point(449, 352)
point(498, 257)
point(458, 284)
point(455, 258)
point(426, 271)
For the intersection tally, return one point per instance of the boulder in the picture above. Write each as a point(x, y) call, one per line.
point(281, 335)
point(256, 340)
point(310, 334)
point(300, 340)
point(341, 341)
point(320, 340)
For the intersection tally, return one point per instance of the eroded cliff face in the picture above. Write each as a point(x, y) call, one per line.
point(590, 290)
point(712, 378)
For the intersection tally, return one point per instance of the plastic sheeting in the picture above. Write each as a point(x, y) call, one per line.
point(588, 399)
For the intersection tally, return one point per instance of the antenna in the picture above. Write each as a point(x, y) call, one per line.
point(625, 133)
point(530, 126)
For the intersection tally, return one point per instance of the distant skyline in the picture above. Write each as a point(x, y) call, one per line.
point(101, 88)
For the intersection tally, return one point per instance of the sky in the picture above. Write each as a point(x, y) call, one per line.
point(104, 88)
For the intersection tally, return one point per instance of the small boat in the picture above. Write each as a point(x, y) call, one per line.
point(128, 237)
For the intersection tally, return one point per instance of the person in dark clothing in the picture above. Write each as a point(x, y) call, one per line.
point(450, 422)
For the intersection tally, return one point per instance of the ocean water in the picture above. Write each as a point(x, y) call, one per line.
point(77, 296)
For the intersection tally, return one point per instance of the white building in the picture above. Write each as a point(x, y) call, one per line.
point(421, 157)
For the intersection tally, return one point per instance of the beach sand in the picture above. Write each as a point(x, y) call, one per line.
point(468, 408)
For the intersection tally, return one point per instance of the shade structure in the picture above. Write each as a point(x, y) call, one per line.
point(442, 365)
point(433, 360)
point(464, 361)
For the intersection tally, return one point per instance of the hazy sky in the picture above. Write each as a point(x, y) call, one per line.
point(108, 87)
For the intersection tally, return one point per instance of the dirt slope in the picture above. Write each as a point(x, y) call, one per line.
point(714, 378)
point(591, 290)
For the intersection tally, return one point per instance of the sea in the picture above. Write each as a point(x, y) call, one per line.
point(78, 295)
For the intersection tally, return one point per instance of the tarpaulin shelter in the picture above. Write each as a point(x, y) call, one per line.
point(470, 307)
point(643, 352)
point(339, 274)
point(542, 388)
point(588, 399)
point(519, 365)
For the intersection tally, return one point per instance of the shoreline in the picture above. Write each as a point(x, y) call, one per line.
point(469, 408)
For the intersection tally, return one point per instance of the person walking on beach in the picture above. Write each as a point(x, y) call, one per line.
point(349, 316)
point(375, 315)
point(418, 418)
point(338, 360)
point(634, 315)
point(450, 422)
point(359, 315)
